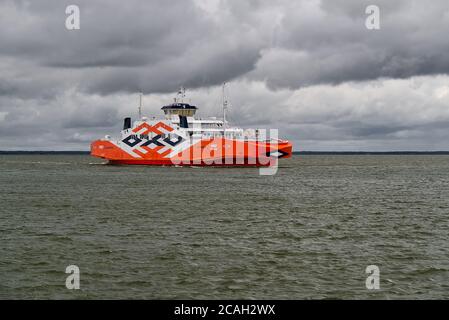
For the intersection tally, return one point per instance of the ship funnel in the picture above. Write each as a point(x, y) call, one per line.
point(183, 122)
point(126, 123)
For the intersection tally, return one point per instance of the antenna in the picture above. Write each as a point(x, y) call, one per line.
point(140, 105)
point(225, 106)
point(182, 94)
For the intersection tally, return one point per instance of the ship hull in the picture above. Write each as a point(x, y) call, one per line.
point(214, 152)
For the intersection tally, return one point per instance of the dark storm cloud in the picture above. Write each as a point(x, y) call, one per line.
point(150, 46)
point(154, 46)
point(309, 67)
point(327, 42)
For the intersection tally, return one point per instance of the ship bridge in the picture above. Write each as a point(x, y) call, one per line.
point(180, 109)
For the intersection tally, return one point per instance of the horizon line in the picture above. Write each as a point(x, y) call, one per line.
point(294, 152)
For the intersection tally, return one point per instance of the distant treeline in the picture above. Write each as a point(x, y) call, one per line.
point(295, 152)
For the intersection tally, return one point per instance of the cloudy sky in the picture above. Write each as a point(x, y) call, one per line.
point(307, 67)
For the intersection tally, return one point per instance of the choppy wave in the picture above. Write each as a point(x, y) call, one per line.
point(310, 231)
